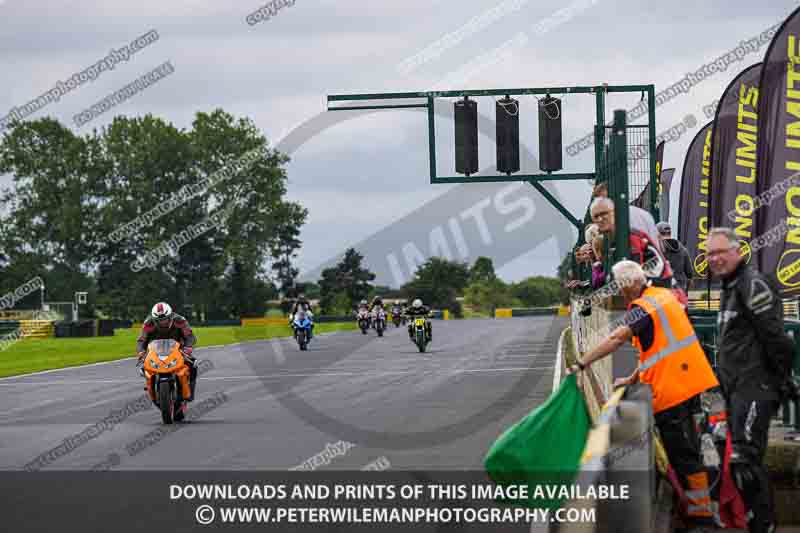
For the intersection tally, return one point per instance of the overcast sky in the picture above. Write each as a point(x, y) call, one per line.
point(366, 173)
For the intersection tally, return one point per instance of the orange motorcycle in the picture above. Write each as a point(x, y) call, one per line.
point(167, 378)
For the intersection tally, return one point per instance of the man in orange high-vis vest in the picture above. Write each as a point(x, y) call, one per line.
point(673, 363)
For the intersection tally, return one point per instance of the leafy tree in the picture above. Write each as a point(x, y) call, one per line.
point(71, 192)
point(487, 296)
point(310, 289)
point(286, 244)
point(438, 282)
point(482, 270)
point(347, 277)
point(537, 291)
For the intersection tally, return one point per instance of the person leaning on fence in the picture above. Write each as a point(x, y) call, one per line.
point(754, 368)
point(639, 219)
point(643, 249)
point(673, 363)
point(590, 253)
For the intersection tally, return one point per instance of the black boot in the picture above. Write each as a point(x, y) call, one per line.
point(192, 381)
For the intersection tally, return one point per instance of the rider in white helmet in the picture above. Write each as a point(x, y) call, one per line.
point(418, 309)
point(164, 324)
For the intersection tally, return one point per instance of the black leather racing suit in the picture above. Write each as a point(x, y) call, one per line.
point(179, 331)
point(423, 311)
point(754, 351)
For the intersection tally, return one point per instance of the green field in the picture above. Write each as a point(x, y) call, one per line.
point(46, 354)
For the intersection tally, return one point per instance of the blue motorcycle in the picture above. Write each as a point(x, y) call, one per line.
point(302, 329)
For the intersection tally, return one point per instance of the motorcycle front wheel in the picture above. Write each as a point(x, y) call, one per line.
point(166, 402)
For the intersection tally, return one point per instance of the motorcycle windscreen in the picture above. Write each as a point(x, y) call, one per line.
point(163, 347)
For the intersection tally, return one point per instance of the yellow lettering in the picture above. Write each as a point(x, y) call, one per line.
point(793, 128)
point(702, 226)
point(748, 151)
point(793, 209)
point(746, 114)
point(792, 165)
point(747, 179)
point(744, 199)
point(794, 58)
point(743, 224)
point(794, 235)
point(748, 97)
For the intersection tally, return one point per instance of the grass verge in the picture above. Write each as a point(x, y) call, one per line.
point(35, 355)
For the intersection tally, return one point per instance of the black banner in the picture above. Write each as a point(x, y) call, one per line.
point(779, 154)
point(733, 158)
point(643, 200)
point(693, 202)
point(664, 186)
point(659, 159)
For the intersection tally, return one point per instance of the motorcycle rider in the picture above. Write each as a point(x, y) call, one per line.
point(397, 311)
point(419, 310)
point(377, 304)
point(302, 304)
point(163, 323)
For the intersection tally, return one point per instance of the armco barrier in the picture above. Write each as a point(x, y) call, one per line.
point(261, 322)
point(218, 323)
point(503, 313)
point(534, 311)
point(342, 318)
point(8, 326)
point(508, 312)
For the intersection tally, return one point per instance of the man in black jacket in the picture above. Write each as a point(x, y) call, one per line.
point(677, 255)
point(417, 309)
point(753, 371)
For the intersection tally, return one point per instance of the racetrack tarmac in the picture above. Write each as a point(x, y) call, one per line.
point(266, 405)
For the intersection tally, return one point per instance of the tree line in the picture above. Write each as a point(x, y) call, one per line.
point(73, 193)
point(439, 283)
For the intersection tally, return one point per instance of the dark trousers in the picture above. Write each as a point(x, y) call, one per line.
point(748, 421)
point(682, 443)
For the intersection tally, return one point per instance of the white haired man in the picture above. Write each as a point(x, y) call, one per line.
point(673, 363)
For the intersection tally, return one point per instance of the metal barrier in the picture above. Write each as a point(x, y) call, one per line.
point(791, 307)
point(705, 325)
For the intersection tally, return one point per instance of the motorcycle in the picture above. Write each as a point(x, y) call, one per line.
point(380, 320)
point(397, 318)
point(167, 378)
point(420, 334)
point(302, 330)
point(363, 320)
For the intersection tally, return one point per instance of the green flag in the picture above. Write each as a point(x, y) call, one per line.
point(544, 448)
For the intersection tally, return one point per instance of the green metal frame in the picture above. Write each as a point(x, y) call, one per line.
point(618, 186)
